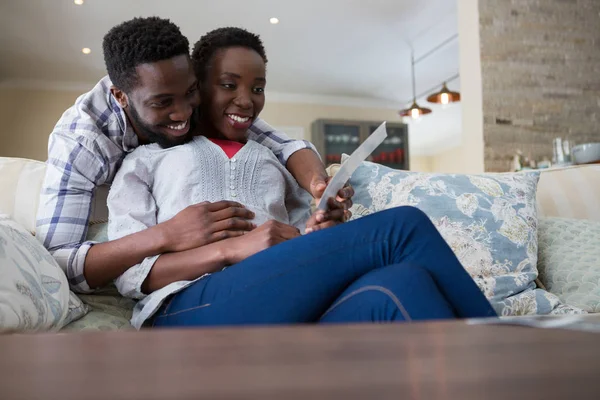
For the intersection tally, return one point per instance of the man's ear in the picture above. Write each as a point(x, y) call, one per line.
point(120, 96)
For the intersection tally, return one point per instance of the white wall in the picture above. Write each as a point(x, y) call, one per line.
point(469, 156)
point(30, 115)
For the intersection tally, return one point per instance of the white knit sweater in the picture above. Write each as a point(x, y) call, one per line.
point(154, 184)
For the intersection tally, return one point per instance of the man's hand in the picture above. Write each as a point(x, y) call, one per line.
point(205, 223)
point(267, 235)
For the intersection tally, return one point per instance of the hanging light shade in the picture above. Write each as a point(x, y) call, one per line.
point(414, 111)
point(444, 96)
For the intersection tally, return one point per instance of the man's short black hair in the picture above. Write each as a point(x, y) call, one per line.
point(140, 41)
point(223, 38)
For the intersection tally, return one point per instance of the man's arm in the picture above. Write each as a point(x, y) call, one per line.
point(302, 160)
point(73, 172)
point(192, 264)
point(299, 156)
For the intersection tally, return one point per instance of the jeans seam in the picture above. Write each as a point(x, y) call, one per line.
point(168, 305)
point(381, 289)
point(182, 311)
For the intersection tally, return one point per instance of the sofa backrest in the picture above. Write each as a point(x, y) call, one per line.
point(572, 192)
point(20, 184)
point(568, 192)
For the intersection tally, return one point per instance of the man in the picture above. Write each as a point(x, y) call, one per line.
point(121, 112)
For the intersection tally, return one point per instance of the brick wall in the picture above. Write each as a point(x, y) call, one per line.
point(540, 62)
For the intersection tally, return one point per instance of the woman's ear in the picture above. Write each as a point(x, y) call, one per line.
point(120, 96)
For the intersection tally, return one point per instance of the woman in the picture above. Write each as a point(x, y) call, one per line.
point(390, 266)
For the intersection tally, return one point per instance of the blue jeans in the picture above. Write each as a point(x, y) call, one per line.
point(389, 266)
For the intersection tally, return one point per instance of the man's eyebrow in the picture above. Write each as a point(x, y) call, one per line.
point(157, 96)
point(162, 95)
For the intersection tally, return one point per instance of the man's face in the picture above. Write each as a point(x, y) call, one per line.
point(162, 105)
point(233, 94)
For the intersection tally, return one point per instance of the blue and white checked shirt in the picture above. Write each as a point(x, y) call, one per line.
point(85, 150)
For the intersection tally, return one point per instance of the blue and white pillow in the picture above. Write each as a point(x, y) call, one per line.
point(489, 221)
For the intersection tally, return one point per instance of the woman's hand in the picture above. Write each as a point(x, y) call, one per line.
point(204, 223)
point(319, 184)
point(267, 235)
point(337, 209)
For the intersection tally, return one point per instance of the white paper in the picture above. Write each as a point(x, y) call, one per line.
point(349, 166)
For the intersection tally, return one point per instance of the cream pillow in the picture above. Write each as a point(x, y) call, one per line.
point(569, 260)
point(34, 293)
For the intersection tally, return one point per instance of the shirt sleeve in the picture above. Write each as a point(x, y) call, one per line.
point(72, 173)
point(279, 143)
point(132, 209)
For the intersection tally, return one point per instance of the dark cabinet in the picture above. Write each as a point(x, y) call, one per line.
point(336, 137)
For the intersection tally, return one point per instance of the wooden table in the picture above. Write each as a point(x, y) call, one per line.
point(447, 360)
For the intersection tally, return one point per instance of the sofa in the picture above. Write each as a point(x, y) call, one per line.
point(569, 198)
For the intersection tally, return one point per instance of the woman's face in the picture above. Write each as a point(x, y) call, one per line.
point(234, 92)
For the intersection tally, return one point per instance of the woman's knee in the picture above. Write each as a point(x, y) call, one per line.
point(389, 293)
point(404, 274)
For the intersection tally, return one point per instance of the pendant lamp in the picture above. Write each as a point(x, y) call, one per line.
point(444, 96)
point(414, 111)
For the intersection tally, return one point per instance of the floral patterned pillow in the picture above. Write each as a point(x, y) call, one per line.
point(34, 293)
point(489, 220)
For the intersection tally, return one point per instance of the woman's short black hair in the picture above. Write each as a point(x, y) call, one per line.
point(223, 38)
point(140, 41)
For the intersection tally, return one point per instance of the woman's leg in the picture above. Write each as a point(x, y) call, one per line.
point(401, 292)
point(298, 280)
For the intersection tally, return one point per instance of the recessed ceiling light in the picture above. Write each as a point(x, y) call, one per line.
point(86, 50)
point(274, 20)
point(78, 2)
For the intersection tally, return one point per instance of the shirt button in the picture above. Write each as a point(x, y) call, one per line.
point(233, 195)
point(231, 187)
point(232, 177)
point(233, 159)
point(233, 167)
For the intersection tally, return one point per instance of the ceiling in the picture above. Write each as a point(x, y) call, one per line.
point(344, 49)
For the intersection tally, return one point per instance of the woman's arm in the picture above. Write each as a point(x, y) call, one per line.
point(186, 265)
point(192, 264)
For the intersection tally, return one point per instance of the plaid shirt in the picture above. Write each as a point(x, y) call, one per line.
point(85, 150)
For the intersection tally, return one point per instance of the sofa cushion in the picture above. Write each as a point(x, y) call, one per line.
point(489, 220)
point(34, 293)
point(109, 311)
point(569, 260)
